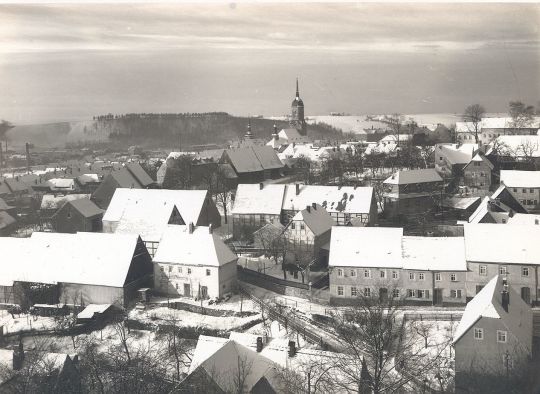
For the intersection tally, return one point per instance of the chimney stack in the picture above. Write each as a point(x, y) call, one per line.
point(314, 205)
point(261, 186)
point(297, 189)
point(210, 229)
point(308, 208)
point(259, 344)
point(292, 349)
point(536, 221)
point(191, 227)
point(505, 299)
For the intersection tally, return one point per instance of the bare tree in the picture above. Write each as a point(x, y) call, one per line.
point(473, 116)
point(312, 375)
point(177, 347)
point(522, 114)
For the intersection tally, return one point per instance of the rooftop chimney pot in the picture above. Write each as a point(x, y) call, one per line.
point(259, 344)
point(292, 348)
point(297, 189)
point(191, 227)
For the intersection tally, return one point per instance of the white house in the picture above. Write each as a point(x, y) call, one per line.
point(193, 262)
point(525, 185)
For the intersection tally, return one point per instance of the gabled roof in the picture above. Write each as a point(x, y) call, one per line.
point(456, 154)
point(460, 202)
point(86, 207)
point(513, 178)
point(147, 211)
point(61, 183)
point(347, 199)
point(6, 220)
point(496, 243)
point(316, 219)
point(434, 253)
point(365, 247)
point(414, 176)
point(85, 258)
point(51, 201)
point(251, 199)
point(4, 206)
point(523, 219)
point(487, 304)
point(253, 159)
point(292, 135)
point(140, 174)
point(179, 246)
point(479, 157)
point(16, 185)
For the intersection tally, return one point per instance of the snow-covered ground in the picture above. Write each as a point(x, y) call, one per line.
point(164, 315)
point(236, 303)
point(25, 322)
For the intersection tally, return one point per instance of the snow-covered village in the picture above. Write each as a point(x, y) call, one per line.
point(270, 198)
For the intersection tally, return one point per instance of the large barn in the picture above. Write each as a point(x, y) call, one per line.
point(81, 268)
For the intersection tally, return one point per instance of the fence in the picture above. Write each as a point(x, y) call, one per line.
point(432, 316)
point(205, 311)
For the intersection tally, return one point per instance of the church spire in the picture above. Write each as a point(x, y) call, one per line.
point(297, 91)
point(249, 135)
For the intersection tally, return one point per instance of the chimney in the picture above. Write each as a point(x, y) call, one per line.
point(314, 205)
point(292, 349)
point(18, 356)
point(511, 213)
point(210, 228)
point(308, 208)
point(297, 189)
point(259, 344)
point(191, 227)
point(261, 185)
point(505, 296)
point(536, 221)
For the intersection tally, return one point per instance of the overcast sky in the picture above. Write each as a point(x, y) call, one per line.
point(67, 62)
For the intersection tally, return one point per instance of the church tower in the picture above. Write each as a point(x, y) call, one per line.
point(297, 113)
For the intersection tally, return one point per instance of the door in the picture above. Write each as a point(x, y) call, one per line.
point(187, 290)
point(437, 297)
point(204, 292)
point(383, 294)
point(526, 294)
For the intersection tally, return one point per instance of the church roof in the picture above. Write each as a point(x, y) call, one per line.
point(297, 102)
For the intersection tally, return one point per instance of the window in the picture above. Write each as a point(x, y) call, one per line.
point(515, 190)
point(170, 268)
point(438, 277)
point(411, 293)
point(367, 292)
point(531, 190)
point(455, 293)
point(340, 290)
point(503, 270)
point(383, 274)
point(189, 270)
point(302, 226)
point(501, 336)
point(395, 293)
point(411, 275)
point(421, 293)
point(453, 277)
point(525, 271)
point(179, 270)
point(354, 292)
point(339, 272)
point(176, 285)
point(162, 269)
point(421, 276)
point(353, 272)
point(293, 226)
point(479, 334)
point(483, 270)
point(524, 190)
point(207, 272)
point(395, 275)
point(367, 273)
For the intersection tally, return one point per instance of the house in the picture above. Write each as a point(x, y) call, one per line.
point(493, 249)
point(491, 128)
point(466, 132)
point(381, 262)
point(65, 185)
point(412, 192)
point(7, 224)
point(194, 262)
point(256, 205)
point(495, 208)
point(132, 176)
point(51, 203)
point(477, 175)
point(307, 235)
point(79, 268)
point(147, 212)
point(460, 207)
point(78, 215)
point(451, 158)
point(494, 335)
point(253, 164)
point(525, 185)
point(286, 137)
point(50, 372)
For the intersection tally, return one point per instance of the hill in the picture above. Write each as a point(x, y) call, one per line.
point(155, 130)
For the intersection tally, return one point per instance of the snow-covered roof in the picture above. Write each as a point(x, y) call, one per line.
point(365, 247)
point(312, 152)
point(459, 202)
point(488, 304)
point(467, 127)
point(61, 183)
point(346, 199)
point(513, 178)
point(507, 123)
point(51, 201)
point(147, 211)
point(316, 219)
point(434, 253)
point(413, 176)
point(87, 178)
point(457, 154)
point(201, 247)
point(90, 310)
point(84, 258)
point(521, 219)
point(495, 243)
point(251, 199)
